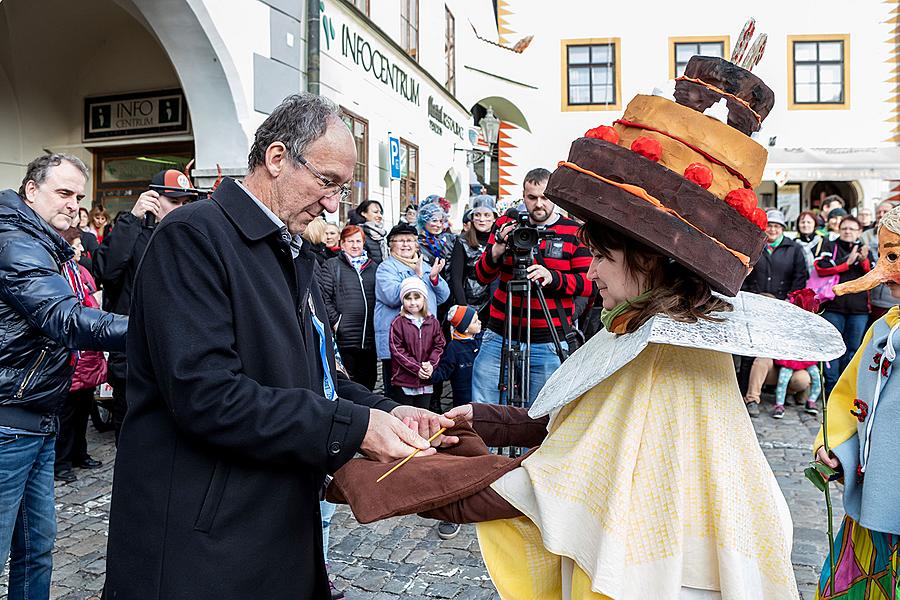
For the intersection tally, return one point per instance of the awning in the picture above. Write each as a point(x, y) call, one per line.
point(832, 164)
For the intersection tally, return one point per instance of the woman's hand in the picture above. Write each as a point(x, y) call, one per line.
point(826, 458)
point(461, 414)
point(437, 267)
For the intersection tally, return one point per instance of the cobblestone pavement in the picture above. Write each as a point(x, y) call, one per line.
point(404, 558)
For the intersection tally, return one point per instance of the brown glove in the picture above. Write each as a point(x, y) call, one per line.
point(426, 484)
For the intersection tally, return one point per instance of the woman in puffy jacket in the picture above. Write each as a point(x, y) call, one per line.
point(347, 282)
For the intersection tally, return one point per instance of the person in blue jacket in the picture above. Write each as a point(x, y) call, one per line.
point(404, 260)
point(459, 356)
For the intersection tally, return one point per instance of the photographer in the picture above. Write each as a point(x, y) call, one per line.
point(560, 267)
point(849, 258)
point(117, 259)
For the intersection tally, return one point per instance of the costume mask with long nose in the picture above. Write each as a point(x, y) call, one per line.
point(887, 269)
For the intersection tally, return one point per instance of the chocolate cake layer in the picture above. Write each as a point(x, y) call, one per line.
point(733, 79)
point(591, 199)
point(699, 97)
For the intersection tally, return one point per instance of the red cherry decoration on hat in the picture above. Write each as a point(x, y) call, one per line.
point(699, 174)
point(760, 218)
point(603, 132)
point(647, 147)
point(743, 201)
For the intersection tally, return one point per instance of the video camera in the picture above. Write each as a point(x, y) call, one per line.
point(524, 239)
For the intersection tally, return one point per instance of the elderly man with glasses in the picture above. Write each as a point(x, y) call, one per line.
point(236, 408)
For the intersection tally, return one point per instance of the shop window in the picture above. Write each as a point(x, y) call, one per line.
point(409, 174)
point(681, 49)
point(818, 71)
point(122, 175)
point(359, 187)
point(591, 74)
point(361, 5)
point(450, 51)
point(409, 27)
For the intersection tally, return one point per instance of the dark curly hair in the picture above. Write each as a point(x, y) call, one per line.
point(678, 292)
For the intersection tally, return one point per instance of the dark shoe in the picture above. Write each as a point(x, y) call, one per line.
point(89, 463)
point(66, 476)
point(811, 407)
point(336, 594)
point(778, 412)
point(448, 530)
point(753, 409)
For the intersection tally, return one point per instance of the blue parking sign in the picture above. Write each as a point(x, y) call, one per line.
point(395, 157)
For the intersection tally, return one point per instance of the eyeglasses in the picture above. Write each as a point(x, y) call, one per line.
point(329, 187)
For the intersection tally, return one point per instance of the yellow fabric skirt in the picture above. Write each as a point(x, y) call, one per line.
point(650, 484)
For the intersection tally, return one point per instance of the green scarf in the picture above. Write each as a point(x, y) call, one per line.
point(608, 316)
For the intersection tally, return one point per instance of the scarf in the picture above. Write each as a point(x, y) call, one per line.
point(436, 244)
point(412, 263)
point(374, 230)
point(607, 317)
point(808, 237)
point(770, 246)
point(358, 261)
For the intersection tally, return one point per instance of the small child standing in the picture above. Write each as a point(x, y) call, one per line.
point(456, 364)
point(416, 344)
point(787, 369)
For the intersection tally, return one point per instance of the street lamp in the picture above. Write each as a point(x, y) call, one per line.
point(490, 126)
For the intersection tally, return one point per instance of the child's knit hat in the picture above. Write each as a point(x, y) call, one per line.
point(413, 284)
point(460, 317)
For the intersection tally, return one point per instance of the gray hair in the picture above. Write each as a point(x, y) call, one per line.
point(297, 122)
point(39, 169)
point(891, 220)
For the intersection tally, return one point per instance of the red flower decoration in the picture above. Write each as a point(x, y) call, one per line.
point(804, 298)
point(760, 219)
point(885, 367)
point(862, 410)
point(647, 147)
point(743, 201)
point(603, 132)
point(876, 360)
point(699, 174)
point(860, 475)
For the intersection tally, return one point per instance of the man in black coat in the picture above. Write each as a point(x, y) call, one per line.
point(235, 408)
point(116, 261)
point(42, 323)
point(781, 268)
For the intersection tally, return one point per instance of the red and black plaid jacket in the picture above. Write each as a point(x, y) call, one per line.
point(569, 280)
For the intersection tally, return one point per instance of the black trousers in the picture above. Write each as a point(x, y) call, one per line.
point(361, 364)
point(71, 441)
point(119, 406)
point(417, 400)
point(389, 390)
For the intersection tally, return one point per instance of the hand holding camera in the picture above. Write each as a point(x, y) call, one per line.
point(147, 202)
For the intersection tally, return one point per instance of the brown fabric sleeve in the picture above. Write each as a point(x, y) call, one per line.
point(504, 425)
point(484, 505)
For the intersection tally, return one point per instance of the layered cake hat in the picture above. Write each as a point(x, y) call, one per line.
point(679, 175)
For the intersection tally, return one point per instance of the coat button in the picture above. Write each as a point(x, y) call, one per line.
point(335, 448)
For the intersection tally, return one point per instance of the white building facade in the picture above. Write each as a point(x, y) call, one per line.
point(133, 86)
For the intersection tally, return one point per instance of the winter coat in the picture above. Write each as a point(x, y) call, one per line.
point(387, 298)
point(778, 273)
point(228, 435)
point(41, 319)
point(464, 284)
point(350, 301)
point(412, 345)
point(376, 242)
point(456, 366)
point(848, 304)
point(90, 370)
point(115, 264)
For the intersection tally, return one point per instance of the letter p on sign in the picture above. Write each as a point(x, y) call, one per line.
point(395, 157)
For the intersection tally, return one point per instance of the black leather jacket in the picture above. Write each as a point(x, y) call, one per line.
point(41, 320)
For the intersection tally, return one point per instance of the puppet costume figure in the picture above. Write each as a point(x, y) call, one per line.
point(645, 479)
point(863, 426)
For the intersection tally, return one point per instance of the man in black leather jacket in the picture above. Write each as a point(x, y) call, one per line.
point(117, 259)
point(42, 325)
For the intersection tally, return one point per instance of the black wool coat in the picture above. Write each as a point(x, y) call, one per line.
point(779, 273)
point(228, 437)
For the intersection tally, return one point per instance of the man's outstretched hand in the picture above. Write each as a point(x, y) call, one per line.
point(426, 423)
point(388, 438)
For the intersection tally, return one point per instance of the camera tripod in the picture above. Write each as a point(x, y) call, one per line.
point(515, 356)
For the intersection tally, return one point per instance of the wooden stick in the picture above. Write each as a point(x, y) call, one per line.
point(416, 451)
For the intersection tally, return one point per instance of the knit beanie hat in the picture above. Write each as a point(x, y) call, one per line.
point(412, 284)
point(427, 213)
point(460, 317)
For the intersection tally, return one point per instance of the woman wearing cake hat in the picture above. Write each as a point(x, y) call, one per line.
point(647, 480)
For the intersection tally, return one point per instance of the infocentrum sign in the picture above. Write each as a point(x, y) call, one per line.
point(380, 66)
